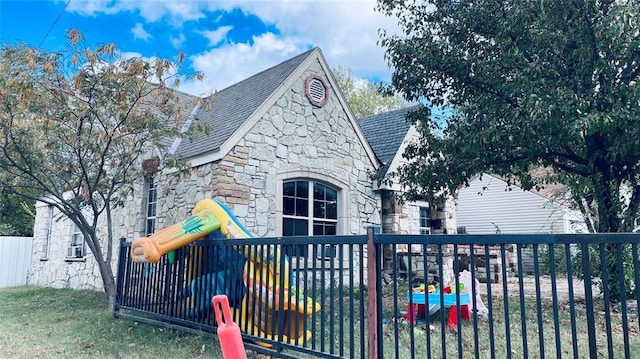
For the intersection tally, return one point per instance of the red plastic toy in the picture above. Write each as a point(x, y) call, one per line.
point(228, 331)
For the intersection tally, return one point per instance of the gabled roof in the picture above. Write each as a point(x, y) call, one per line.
point(226, 111)
point(386, 132)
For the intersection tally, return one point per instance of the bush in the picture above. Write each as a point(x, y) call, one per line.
point(607, 272)
point(8, 230)
point(559, 258)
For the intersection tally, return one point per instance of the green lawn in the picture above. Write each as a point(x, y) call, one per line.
point(59, 323)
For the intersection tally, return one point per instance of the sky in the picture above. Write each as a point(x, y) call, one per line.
point(226, 40)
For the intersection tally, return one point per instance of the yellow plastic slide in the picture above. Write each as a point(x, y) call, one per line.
point(262, 275)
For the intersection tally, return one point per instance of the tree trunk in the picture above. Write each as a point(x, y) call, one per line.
point(106, 272)
point(109, 283)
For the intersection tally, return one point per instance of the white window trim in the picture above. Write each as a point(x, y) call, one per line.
point(76, 231)
point(46, 245)
point(420, 227)
point(343, 212)
point(147, 187)
point(310, 205)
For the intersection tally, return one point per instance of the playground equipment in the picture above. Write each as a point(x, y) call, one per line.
point(264, 277)
point(450, 300)
point(464, 300)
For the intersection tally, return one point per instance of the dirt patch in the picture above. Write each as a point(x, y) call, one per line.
point(530, 287)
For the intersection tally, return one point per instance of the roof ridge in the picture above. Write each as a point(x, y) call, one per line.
point(292, 59)
point(229, 108)
point(391, 112)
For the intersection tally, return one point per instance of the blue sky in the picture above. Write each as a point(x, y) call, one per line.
point(226, 40)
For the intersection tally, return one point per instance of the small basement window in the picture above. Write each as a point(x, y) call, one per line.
point(316, 90)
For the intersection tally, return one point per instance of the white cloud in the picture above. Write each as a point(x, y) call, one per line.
point(151, 10)
point(229, 64)
point(345, 30)
point(129, 55)
point(177, 41)
point(140, 33)
point(216, 36)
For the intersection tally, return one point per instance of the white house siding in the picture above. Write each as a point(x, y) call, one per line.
point(15, 256)
point(487, 206)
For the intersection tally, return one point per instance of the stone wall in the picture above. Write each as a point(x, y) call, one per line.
point(50, 265)
point(405, 219)
point(293, 139)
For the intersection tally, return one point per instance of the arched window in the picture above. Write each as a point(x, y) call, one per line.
point(309, 208)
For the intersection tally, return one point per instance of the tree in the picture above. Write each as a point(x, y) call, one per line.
point(366, 98)
point(75, 127)
point(534, 84)
point(16, 215)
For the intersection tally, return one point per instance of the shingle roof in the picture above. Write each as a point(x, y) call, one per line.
point(182, 102)
point(227, 110)
point(385, 132)
point(185, 104)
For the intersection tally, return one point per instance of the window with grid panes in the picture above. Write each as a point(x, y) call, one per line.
point(425, 220)
point(309, 208)
point(76, 247)
point(152, 199)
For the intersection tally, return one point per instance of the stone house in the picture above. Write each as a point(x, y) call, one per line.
point(278, 143)
point(389, 133)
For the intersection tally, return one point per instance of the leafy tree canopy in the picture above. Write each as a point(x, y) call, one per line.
point(534, 84)
point(16, 215)
point(366, 98)
point(75, 126)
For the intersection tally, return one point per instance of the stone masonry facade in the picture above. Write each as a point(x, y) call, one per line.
point(292, 139)
point(405, 219)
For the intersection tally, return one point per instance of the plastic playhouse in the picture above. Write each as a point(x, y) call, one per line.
point(417, 299)
point(264, 278)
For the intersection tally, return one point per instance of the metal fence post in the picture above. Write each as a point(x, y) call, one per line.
point(373, 338)
point(588, 299)
point(122, 261)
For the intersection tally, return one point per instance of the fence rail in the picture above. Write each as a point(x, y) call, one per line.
point(368, 296)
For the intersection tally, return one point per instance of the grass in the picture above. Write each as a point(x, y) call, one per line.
point(493, 337)
point(538, 338)
point(61, 323)
point(407, 341)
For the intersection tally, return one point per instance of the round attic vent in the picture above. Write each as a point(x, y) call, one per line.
point(316, 90)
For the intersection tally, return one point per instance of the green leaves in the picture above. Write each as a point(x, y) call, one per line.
point(366, 98)
point(76, 125)
point(534, 85)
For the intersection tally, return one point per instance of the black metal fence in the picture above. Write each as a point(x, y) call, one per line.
point(494, 296)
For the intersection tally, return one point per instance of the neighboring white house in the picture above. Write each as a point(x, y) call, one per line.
point(15, 256)
point(488, 206)
point(282, 137)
